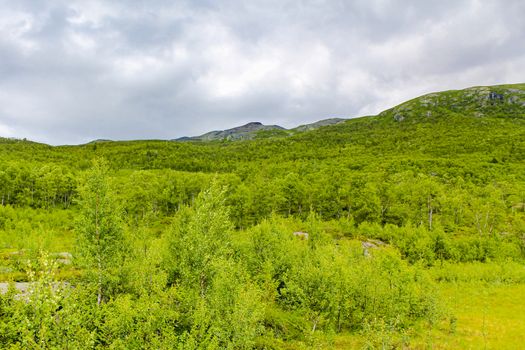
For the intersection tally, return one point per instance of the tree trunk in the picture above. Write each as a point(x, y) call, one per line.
point(430, 211)
point(99, 259)
point(315, 321)
point(99, 295)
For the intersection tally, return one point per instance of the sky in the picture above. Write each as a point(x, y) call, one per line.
point(72, 71)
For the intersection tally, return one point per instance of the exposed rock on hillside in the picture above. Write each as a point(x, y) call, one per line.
point(254, 129)
point(247, 131)
point(475, 101)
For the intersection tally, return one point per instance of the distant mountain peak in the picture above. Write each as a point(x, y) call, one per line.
point(99, 141)
point(253, 129)
point(243, 132)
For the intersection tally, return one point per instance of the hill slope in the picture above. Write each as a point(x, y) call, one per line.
point(491, 101)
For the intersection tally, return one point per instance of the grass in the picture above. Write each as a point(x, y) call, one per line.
point(485, 316)
point(489, 316)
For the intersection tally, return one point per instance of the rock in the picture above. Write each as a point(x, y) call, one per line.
point(371, 244)
point(493, 96)
point(21, 287)
point(399, 117)
point(64, 258)
point(378, 242)
point(367, 245)
point(301, 235)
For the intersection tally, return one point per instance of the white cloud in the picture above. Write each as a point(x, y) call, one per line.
point(74, 70)
point(5, 131)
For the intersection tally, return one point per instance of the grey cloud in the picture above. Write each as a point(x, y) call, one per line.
point(72, 71)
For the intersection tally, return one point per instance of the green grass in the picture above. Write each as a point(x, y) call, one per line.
point(486, 316)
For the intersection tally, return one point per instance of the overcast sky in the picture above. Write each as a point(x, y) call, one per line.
point(73, 71)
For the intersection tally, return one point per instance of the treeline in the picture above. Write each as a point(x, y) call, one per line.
point(37, 186)
point(389, 197)
point(457, 210)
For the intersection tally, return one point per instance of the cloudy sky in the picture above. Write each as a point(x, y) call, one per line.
point(73, 71)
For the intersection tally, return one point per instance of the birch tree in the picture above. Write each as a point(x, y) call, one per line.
point(99, 229)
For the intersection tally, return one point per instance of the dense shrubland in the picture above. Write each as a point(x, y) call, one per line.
point(205, 285)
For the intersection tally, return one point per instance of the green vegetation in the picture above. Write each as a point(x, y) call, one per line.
point(379, 232)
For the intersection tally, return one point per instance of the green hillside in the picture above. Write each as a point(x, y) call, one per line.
point(192, 245)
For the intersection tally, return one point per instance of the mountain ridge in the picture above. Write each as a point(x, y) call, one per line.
point(477, 101)
point(253, 129)
point(245, 131)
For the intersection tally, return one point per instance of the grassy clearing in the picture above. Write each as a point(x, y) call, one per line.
point(486, 316)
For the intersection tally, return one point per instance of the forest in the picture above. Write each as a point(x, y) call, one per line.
point(400, 230)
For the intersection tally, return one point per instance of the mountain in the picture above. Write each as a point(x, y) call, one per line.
point(321, 123)
point(258, 130)
point(244, 132)
point(99, 141)
point(479, 101)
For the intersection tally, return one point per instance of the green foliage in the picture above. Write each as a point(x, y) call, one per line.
point(100, 237)
point(222, 307)
point(191, 245)
point(200, 236)
point(504, 272)
point(48, 315)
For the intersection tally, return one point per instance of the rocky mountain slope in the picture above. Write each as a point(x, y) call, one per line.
point(256, 129)
point(243, 132)
point(481, 101)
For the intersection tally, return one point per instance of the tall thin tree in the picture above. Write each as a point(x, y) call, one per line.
point(99, 228)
